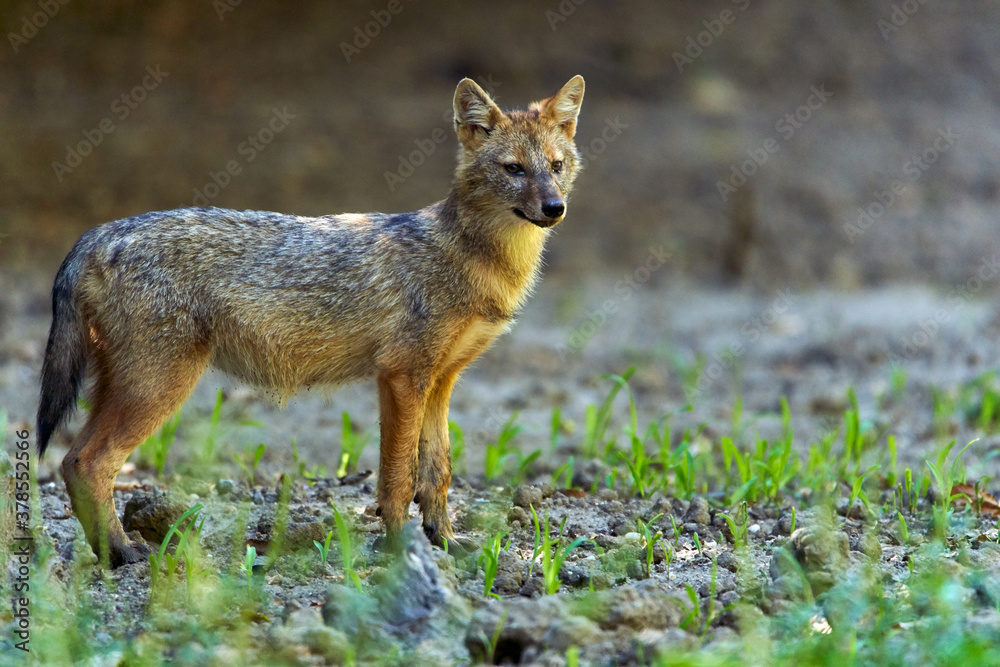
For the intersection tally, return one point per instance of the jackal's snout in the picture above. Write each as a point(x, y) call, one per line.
point(552, 211)
point(553, 208)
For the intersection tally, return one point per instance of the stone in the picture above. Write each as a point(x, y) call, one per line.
point(151, 514)
point(698, 512)
point(528, 496)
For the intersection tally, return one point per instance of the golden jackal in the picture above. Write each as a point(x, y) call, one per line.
point(146, 304)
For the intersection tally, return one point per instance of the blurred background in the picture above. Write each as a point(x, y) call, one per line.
point(682, 100)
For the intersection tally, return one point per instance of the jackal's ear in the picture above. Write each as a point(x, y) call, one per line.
point(563, 107)
point(476, 114)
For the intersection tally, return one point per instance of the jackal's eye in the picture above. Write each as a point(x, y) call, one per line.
point(514, 168)
point(557, 166)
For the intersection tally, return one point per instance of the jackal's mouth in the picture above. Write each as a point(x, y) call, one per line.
point(540, 223)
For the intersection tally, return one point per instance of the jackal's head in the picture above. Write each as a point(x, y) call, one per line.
point(519, 164)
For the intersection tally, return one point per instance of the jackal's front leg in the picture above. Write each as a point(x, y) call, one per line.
point(401, 407)
point(434, 465)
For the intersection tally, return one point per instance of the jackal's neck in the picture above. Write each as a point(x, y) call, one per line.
point(502, 255)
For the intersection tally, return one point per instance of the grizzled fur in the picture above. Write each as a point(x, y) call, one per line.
point(144, 305)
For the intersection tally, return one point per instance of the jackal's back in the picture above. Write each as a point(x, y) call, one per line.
point(282, 301)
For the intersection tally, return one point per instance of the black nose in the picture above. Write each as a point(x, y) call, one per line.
point(554, 208)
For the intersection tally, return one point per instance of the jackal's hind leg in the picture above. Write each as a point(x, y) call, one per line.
point(128, 407)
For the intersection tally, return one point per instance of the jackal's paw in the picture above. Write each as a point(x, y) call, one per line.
point(459, 547)
point(129, 551)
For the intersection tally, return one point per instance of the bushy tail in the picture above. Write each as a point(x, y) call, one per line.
point(65, 362)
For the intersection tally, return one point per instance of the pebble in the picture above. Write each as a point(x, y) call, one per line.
point(517, 513)
point(698, 512)
point(729, 561)
point(528, 496)
point(784, 525)
point(607, 495)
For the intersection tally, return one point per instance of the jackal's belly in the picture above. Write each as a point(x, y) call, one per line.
point(286, 361)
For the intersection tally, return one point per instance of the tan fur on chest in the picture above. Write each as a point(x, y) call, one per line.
point(470, 342)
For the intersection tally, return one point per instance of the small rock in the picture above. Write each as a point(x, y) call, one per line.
point(729, 597)
point(821, 551)
point(985, 556)
point(257, 497)
point(723, 584)
point(634, 570)
point(305, 626)
point(858, 511)
point(722, 635)
point(332, 644)
point(574, 575)
point(729, 561)
point(614, 507)
point(870, 545)
point(412, 590)
point(224, 487)
point(413, 597)
point(582, 480)
point(602, 581)
point(518, 514)
point(571, 631)
point(607, 495)
point(533, 588)
point(510, 573)
point(661, 506)
point(152, 514)
point(528, 496)
point(196, 486)
point(784, 525)
point(302, 535)
point(638, 607)
point(652, 643)
point(698, 512)
point(620, 525)
point(528, 625)
point(606, 541)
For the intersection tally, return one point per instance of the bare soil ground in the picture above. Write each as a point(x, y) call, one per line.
point(691, 347)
